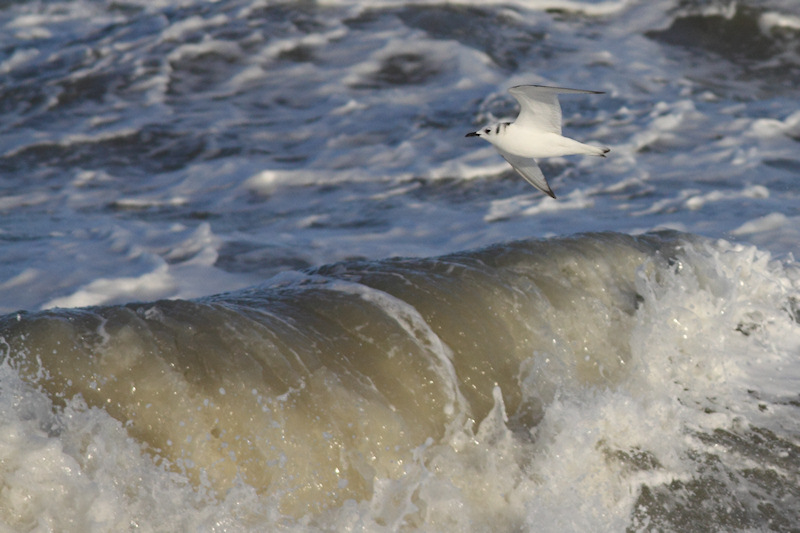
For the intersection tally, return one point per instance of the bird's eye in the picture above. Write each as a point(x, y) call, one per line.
point(487, 130)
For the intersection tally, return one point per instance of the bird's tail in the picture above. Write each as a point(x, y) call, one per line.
point(600, 151)
point(587, 149)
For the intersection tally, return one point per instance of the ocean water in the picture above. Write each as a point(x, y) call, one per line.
point(253, 276)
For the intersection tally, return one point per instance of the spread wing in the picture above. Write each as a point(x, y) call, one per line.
point(528, 169)
point(539, 106)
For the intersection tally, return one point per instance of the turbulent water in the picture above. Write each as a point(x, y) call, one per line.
point(253, 276)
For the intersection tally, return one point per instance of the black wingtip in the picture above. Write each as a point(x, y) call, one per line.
point(566, 89)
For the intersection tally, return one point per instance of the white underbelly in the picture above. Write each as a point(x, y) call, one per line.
point(540, 144)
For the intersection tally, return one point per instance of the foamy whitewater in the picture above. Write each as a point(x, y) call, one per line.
point(254, 278)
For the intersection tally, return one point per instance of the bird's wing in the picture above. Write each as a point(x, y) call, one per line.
point(539, 106)
point(528, 169)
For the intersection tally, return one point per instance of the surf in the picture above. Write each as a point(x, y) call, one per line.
point(376, 381)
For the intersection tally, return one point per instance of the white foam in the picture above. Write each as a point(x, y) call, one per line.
point(18, 58)
point(767, 128)
point(151, 285)
point(773, 19)
point(769, 222)
point(699, 201)
point(186, 270)
point(177, 30)
point(530, 205)
point(80, 471)
point(775, 231)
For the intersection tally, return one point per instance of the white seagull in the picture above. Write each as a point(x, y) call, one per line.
point(536, 133)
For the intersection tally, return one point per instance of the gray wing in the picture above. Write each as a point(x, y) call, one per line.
point(539, 107)
point(528, 169)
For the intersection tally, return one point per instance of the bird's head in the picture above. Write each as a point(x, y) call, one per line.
point(480, 133)
point(490, 133)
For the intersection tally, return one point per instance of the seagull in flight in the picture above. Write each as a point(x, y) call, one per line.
point(536, 133)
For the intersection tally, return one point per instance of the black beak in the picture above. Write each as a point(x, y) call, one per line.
point(472, 134)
